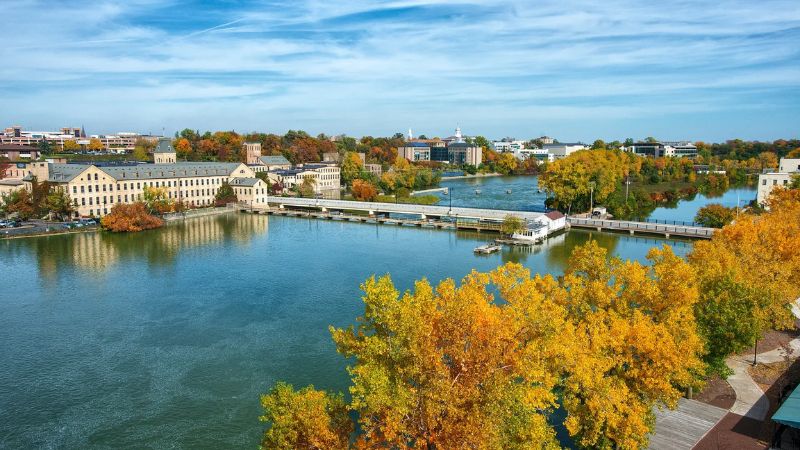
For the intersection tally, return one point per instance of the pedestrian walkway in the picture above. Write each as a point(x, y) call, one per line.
point(685, 426)
point(750, 399)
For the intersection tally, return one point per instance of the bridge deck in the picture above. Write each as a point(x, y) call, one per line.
point(642, 227)
point(403, 208)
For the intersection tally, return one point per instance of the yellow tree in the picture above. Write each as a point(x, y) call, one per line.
point(95, 144)
point(637, 344)
point(304, 419)
point(70, 145)
point(452, 368)
point(749, 274)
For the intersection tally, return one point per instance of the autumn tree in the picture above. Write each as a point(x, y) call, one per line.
point(70, 145)
point(638, 344)
point(225, 195)
point(130, 217)
point(18, 202)
point(749, 275)
point(506, 163)
point(95, 144)
point(304, 419)
point(156, 200)
point(715, 215)
point(364, 191)
point(183, 148)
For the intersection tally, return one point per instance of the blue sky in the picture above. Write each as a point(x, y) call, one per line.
point(575, 70)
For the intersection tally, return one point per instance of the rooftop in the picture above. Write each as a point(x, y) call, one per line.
point(164, 146)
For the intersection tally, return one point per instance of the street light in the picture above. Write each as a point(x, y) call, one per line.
point(450, 197)
point(591, 195)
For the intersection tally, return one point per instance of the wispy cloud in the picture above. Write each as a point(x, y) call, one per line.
point(577, 69)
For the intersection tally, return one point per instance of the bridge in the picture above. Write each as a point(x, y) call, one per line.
point(473, 218)
point(424, 211)
point(642, 227)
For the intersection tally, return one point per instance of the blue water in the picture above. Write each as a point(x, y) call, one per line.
point(166, 338)
point(524, 196)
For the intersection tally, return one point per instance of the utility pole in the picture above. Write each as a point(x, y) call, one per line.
point(627, 185)
point(591, 196)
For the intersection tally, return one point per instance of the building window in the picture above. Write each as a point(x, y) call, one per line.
point(90, 188)
point(764, 183)
point(95, 177)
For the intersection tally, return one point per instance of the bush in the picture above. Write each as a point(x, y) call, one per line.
point(130, 218)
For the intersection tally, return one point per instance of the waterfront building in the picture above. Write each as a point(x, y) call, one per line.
point(250, 191)
point(769, 180)
point(563, 149)
point(327, 177)
point(672, 149)
point(539, 154)
point(267, 163)
point(460, 153)
point(451, 150)
point(547, 140)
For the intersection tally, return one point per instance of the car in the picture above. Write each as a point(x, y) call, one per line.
point(13, 224)
point(3, 223)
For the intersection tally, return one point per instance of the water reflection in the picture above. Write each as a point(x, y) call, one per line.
point(97, 252)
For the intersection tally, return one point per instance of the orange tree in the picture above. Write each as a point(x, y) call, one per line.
point(130, 217)
point(364, 190)
point(454, 367)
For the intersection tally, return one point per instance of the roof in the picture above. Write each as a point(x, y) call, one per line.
point(244, 181)
point(17, 148)
point(10, 182)
point(417, 144)
point(67, 172)
point(274, 160)
point(789, 412)
point(554, 215)
point(164, 146)
point(562, 144)
point(460, 145)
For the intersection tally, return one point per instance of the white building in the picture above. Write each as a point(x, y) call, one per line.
point(672, 149)
point(768, 181)
point(508, 146)
point(542, 226)
point(564, 149)
point(326, 177)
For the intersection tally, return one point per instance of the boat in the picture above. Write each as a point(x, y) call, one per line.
point(487, 249)
point(477, 191)
point(508, 191)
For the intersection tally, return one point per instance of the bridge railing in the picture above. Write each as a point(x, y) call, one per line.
point(644, 226)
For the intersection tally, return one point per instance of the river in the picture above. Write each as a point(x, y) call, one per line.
point(524, 196)
point(166, 338)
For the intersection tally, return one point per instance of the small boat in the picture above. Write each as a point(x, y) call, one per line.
point(488, 248)
point(477, 191)
point(508, 191)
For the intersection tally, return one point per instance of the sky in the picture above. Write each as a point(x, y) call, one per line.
point(571, 69)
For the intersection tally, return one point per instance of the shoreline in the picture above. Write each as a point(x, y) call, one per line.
point(477, 175)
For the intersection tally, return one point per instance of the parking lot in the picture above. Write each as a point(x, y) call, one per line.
point(34, 227)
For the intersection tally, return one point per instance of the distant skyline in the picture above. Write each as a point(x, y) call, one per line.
point(574, 70)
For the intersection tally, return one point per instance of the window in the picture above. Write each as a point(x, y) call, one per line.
point(83, 202)
point(90, 201)
point(74, 189)
point(81, 189)
point(95, 177)
point(774, 182)
point(764, 183)
point(90, 188)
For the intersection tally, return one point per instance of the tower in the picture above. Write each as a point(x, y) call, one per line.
point(253, 152)
point(458, 134)
point(410, 136)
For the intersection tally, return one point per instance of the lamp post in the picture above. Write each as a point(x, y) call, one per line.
point(591, 196)
point(450, 197)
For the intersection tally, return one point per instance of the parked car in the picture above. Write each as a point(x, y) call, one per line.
point(12, 224)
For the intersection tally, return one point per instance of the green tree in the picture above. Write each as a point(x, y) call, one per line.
point(307, 187)
point(351, 168)
point(599, 145)
point(512, 224)
point(304, 419)
point(225, 195)
point(715, 215)
point(44, 147)
point(59, 204)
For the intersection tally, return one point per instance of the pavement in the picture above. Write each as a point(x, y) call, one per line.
point(751, 401)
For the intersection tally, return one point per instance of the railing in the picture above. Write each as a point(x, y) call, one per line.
point(692, 231)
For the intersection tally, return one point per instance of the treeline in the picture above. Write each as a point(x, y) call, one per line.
point(296, 145)
point(485, 363)
point(631, 186)
point(43, 201)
